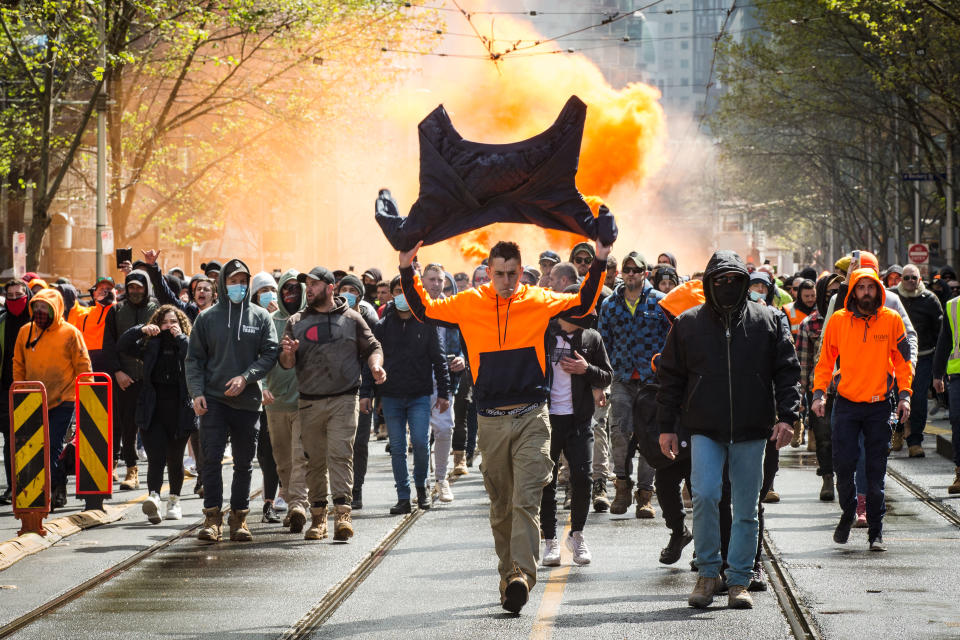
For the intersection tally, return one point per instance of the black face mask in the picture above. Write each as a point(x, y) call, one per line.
point(370, 291)
point(728, 295)
point(135, 297)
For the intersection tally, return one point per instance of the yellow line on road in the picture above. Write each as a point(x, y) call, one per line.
point(553, 592)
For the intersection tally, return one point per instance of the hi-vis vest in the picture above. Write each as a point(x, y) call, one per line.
point(796, 317)
point(953, 361)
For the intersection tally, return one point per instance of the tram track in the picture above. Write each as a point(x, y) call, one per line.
point(925, 497)
point(801, 621)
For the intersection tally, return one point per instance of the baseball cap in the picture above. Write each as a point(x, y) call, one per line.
point(550, 256)
point(317, 273)
point(637, 258)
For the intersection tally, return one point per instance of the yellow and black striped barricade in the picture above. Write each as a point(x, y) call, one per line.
point(30, 454)
point(94, 444)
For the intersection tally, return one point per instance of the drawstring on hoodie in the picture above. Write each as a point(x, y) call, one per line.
point(506, 321)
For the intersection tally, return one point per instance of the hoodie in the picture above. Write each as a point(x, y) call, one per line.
point(54, 356)
point(282, 383)
point(872, 349)
point(126, 314)
point(728, 374)
point(228, 340)
point(9, 329)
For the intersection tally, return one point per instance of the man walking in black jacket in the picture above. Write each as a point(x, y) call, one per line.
point(730, 373)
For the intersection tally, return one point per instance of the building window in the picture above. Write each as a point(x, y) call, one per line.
point(684, 64)
point(685, 45)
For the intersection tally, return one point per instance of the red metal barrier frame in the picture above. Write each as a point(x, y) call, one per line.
point(31, 518)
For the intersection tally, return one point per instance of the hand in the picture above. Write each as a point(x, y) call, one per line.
point(123, 380)
point(903, 410)
point(599, 397)
point(442, 405)
point(199, 405)
point(379, 374)
point(457, 365)
point(938, 385)
point(782, 434)
point(235, 387)
point(406, 257)
point(151, 330)
point(150, 257)
point(288, 345)
point(669, 445)
point(273, 306)
point(268, 398)
point(126, 267)
point(575, 365)
point(365, 404)
point(175, 330)
point(602, 252)
point(819, 407)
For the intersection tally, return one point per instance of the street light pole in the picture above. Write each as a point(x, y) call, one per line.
point(102, 143)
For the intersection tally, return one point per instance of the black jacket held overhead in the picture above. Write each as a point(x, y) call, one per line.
point(730, 376)
point(467, 185)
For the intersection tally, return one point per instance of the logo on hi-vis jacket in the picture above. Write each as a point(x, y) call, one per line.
point(881, 337)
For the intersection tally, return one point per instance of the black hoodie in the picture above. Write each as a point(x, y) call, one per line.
point(9, 328)
point(729, 375)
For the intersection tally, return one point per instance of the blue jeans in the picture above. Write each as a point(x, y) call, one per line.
point(242, 427)
point(706, 478)
point(398, 413)
point(953, 397)
point(58, 420)
point(850, 420)
point(922, 379)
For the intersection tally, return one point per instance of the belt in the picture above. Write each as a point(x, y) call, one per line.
point(515, 412)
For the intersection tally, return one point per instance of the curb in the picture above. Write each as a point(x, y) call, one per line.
point(16, 549)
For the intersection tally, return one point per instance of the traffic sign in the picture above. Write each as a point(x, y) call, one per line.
point(919, 253)
point(19, 254)
point(922, 176)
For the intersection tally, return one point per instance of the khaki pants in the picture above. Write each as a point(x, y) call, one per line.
point(601, 444)
point(328, 428)
point(284, 427)
point(516, 467)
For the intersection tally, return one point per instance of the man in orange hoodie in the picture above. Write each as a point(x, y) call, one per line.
point(51, 351)
point(871, 343)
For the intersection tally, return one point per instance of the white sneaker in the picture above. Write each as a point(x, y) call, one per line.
point(174, 511)
point(576, 543)
point(141, 454)
point(151, 508)
point(443, 490)
point(279, 504)
point(551, 553)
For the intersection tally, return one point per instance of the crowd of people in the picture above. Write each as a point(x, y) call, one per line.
point(563, 376)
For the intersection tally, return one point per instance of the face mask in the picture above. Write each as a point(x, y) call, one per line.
point(727, 295)
point(236, 292)
point(136, 297)
point(400, 302)
point(16, 307)
point(351, 298)
point(370, 290)
point(266, 298)
point(42, 315)
point(755, 297)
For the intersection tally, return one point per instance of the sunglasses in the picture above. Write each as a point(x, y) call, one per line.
point(730, 279)
point(586, 260)
point(910, 278)
point(630, 270)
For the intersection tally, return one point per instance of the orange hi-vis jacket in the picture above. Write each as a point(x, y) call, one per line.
point(506, 339)
point(92, 324)
point(684, 296)
point(795, 316)
point(872, 350)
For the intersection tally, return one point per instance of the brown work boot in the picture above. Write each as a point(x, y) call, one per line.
point(624, 496)
point(212, 525)
point(318, 524)
point(896, 443)
point(738, 597)
point(772, 496)
point(826, 491)
point(296, 518)
point(343, 525)
point(238, 525)
point(516, 592)
point(702, 595)
point(797, 434)
point(955, 487)
point(644, 508)
point(811, 441)
point(459, 464)
point(916, 451)
point(132, 480)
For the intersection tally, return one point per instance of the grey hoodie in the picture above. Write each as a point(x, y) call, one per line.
point(281, 382)
point(228, 340)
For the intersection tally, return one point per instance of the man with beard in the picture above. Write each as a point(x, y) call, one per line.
point(327, 343)
point(13, 316)
point(871, 343)
point(805, 303)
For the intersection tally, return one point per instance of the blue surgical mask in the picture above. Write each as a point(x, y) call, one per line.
point(351, 298)
point(236, 292)
point(755, 297)
point(266, 298)
point(400, 302)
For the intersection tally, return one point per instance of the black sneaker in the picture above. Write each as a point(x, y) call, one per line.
point(424, 501)
point(269, 513)
point(59, 498)
point(842, 533)
point(678, 540)
point(402, 506)
point(357, 502)
point(470, 460)
point(758, 580)
point(6, 498)
point(516, 594)
point(877, 544)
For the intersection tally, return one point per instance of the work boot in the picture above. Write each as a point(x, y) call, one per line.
point(424, 501)
point(916, 451)
point(645, 510)
point(298, 518)
point(702, 594)
point(797, 434)
point(861, 511)
point(842, 533)
point(343, 524)
point(955, 487)
point(811, 441)
point(896, 443)
point(132, 480)
point(738, 597)
point(601, 503)
point(269, 513)
point(758, 579)
point(238, 525)
point(516, 593)
point(318, 524)
point(678, 540)
point(357, 502)
point(624, 496)
point(402, 507)
point(826, 491)
point(212, 525)
point(772, 496)
point(444, 493)
point(459, 464)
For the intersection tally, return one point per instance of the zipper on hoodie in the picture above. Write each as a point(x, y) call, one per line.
point(729, 375)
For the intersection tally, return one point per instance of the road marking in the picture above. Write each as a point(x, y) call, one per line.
point(937, 430)
point(553, 592)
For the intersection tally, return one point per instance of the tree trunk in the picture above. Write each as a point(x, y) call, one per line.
point(38, 228)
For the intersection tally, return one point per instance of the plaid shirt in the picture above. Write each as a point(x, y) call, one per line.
point(808, 342)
